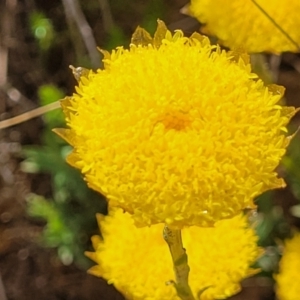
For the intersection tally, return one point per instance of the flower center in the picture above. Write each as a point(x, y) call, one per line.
point(177, 120)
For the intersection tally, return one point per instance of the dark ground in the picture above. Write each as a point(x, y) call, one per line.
point(28, 270)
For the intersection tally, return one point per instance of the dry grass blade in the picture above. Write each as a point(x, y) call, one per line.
point(29, 115)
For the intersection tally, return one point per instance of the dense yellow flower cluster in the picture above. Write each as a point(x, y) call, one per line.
point(138, 263)
point(242, 23)
point(176, 131)
point(288, 287)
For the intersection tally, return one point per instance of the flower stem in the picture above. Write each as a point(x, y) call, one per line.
point(180, 263)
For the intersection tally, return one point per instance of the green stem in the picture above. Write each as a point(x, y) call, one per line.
point(180, 263)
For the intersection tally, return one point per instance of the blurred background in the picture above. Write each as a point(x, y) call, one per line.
point(47, 213)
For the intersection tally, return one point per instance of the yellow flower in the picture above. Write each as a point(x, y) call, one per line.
point(288, 279)
point(177, 131)
point(241, 23)
point(137, 260)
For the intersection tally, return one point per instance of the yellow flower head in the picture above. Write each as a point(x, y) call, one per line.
point(137, 260)
point(175, 130)
point(288, 279)
point(242, 23)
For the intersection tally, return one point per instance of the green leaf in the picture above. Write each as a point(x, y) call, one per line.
point(42, 29)
point(47, 94)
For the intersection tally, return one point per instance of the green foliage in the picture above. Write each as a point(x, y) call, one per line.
point(49, 93)
point(116, 38)
point(272, 226)
point(42, 29)
point(70, 213)
point(155, 10)
point(291, 164)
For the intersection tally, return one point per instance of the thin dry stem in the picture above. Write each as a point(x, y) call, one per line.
point(29, 115)
point(108, 22)
point(73, 9)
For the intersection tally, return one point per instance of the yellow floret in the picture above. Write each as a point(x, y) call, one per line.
point(241, 23)
point(177, 131)
point(138, 263)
